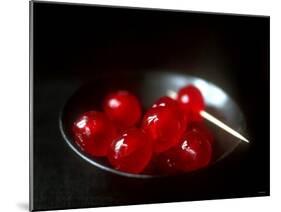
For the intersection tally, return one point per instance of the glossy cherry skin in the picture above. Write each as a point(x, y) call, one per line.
point(93, 132)
point(191, 102)
point(166, 162)
point(123, 108)
point(201, 128)
point(165, 101)
point(192, 153)
point(131, 151)
point(164, 125)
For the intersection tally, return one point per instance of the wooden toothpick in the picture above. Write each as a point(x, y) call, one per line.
point(213, 120)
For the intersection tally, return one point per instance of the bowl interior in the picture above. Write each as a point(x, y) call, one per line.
point(149, 86)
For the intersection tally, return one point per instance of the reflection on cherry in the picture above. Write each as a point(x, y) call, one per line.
point(93, 133)
point(131, 151)
point(164, 124)
point(123, 108)
point(201, 128)
point(191, 102)
point(165, 101)
point(192, 153)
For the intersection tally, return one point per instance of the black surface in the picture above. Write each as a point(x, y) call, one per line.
point(75, 43)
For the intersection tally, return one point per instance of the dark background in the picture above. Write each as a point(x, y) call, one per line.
point(72, 43)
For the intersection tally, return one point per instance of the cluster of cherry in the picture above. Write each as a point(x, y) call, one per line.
point(170, 138)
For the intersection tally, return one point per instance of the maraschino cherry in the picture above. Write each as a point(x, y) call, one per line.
point(201, 128)
point(165, 101)
point(193, 152)
point(123, 108)
point(164, 124)
point(131, 151)
point(167, 162)
point(93, 132)
point(191, 102)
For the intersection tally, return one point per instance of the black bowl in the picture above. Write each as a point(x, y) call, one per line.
point(148, 87)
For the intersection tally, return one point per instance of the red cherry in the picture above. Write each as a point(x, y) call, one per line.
point(201, 128)
point(123, 108)
point(130, 152)
point(193, 152)
point(168, 101)
point(93, 133)
point(191, 102)
point(166, 162)
point(164, 125)
point(165, 101)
